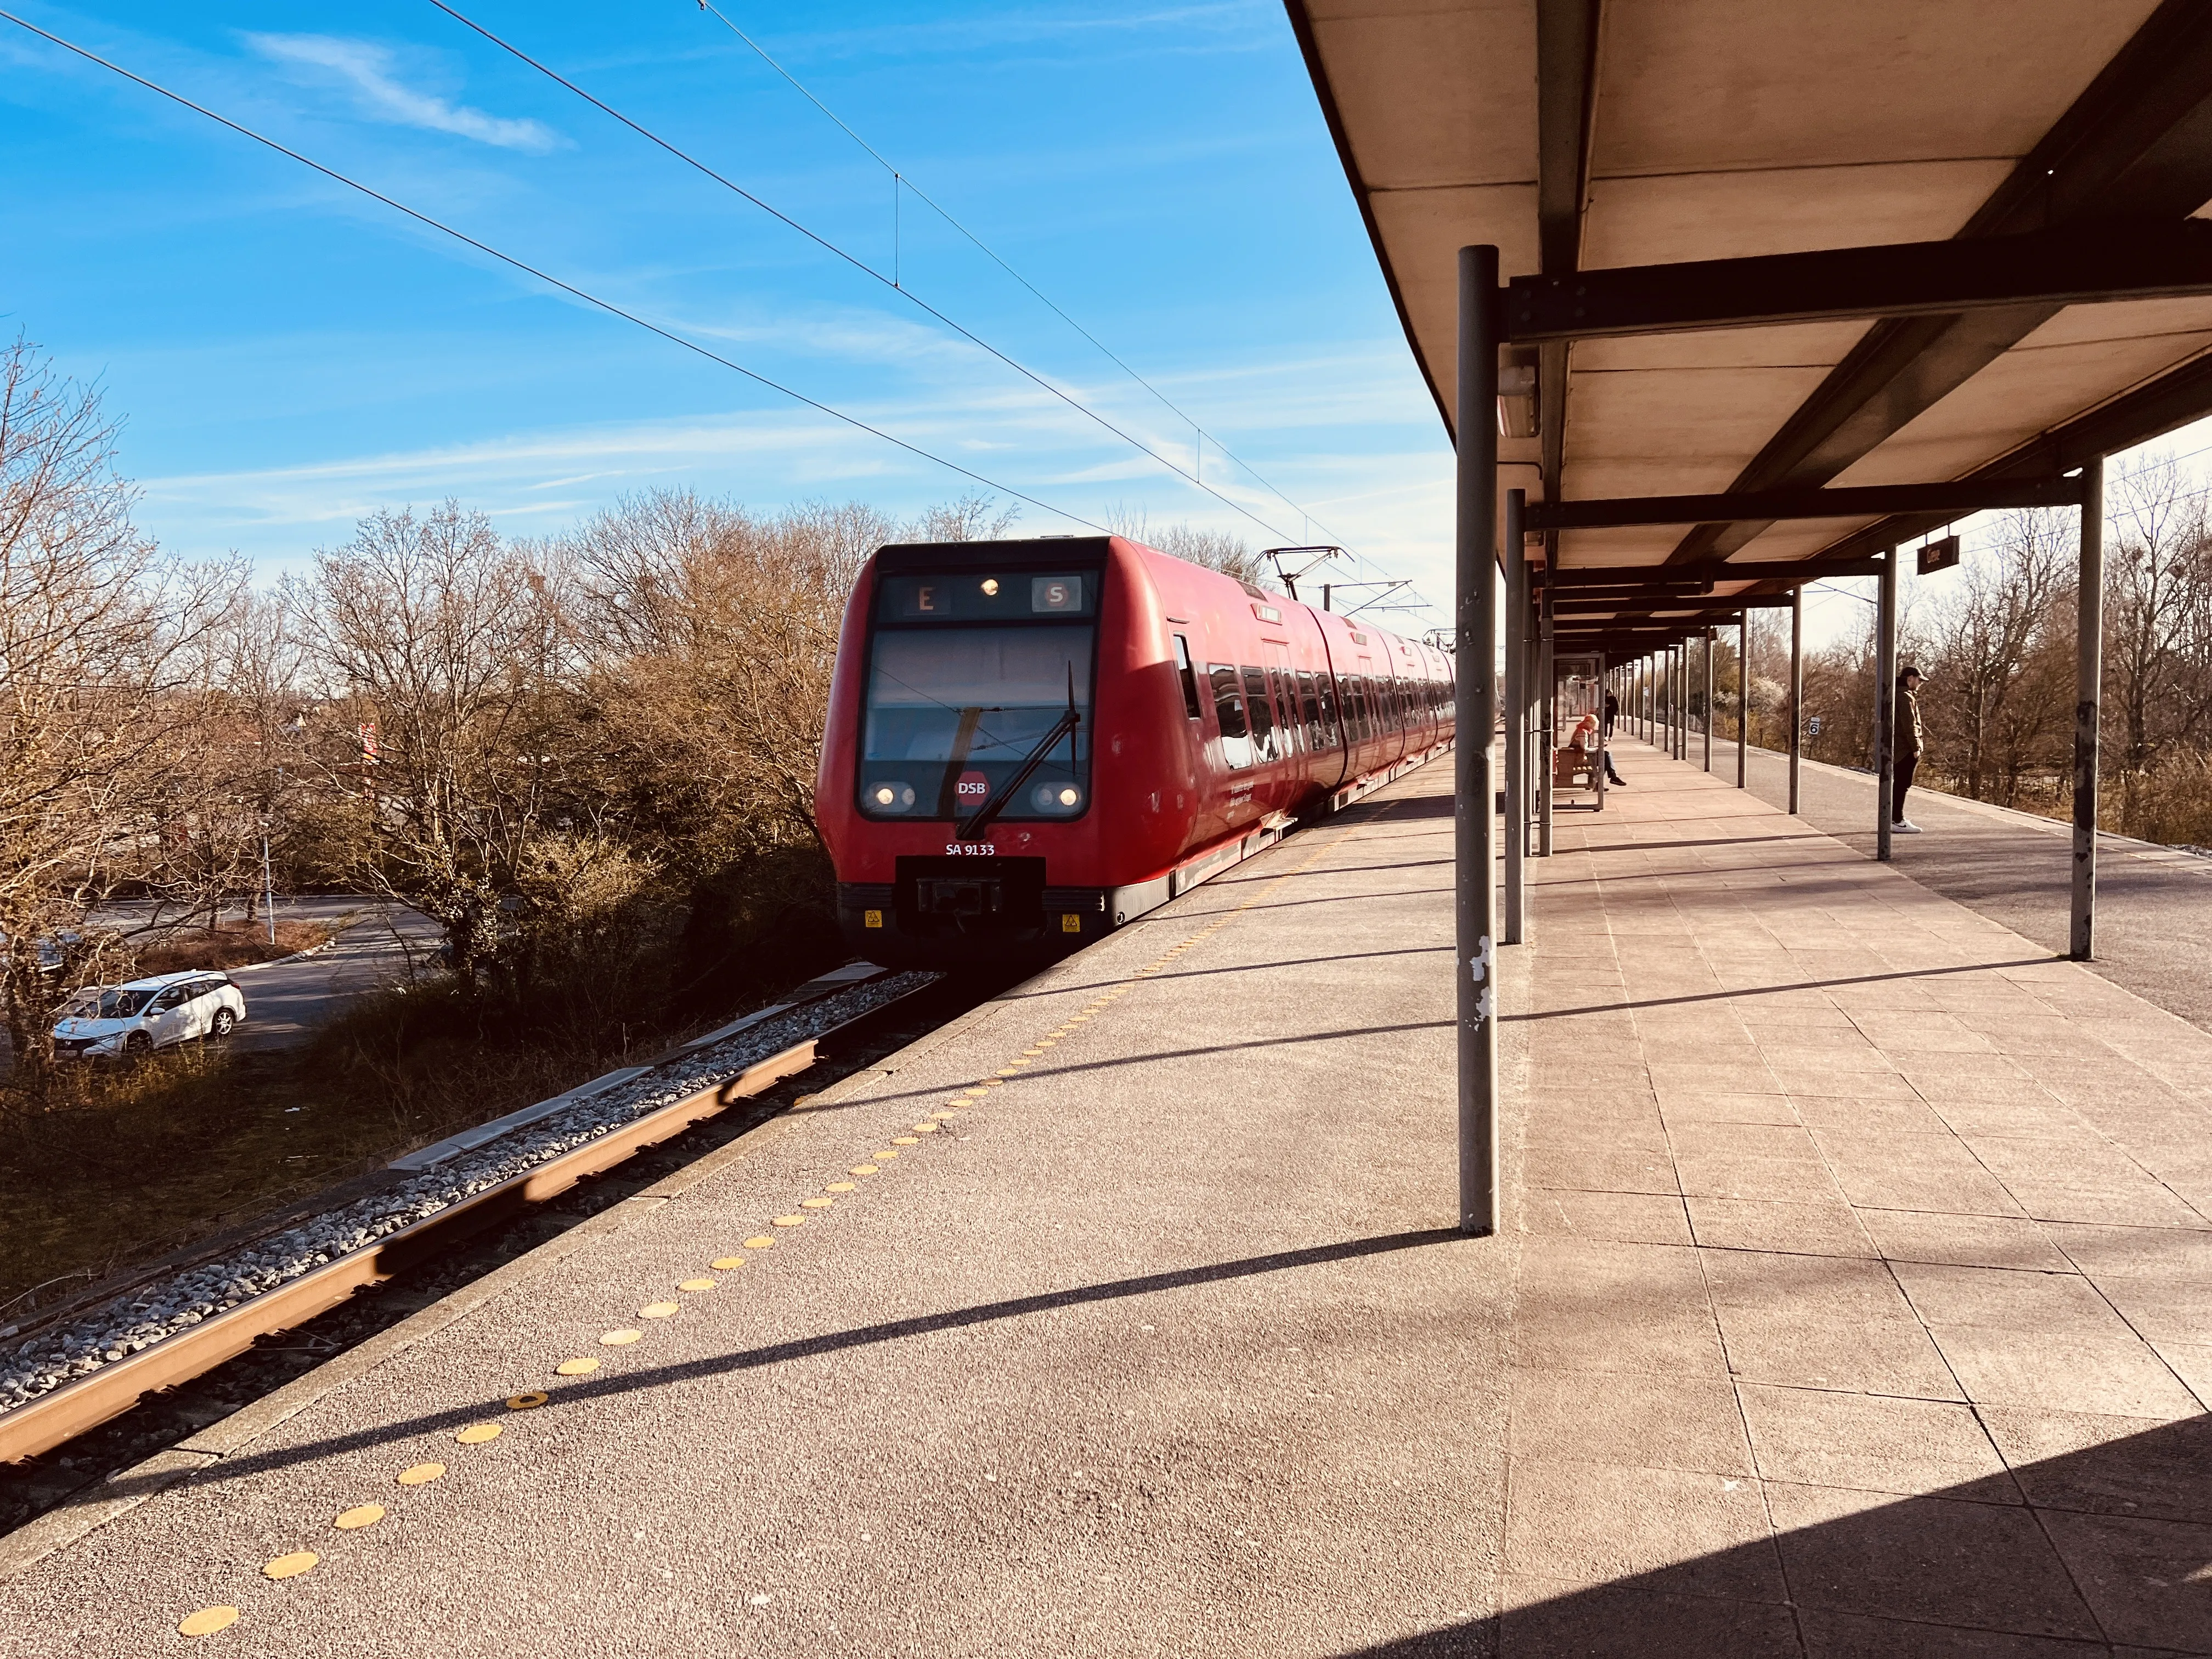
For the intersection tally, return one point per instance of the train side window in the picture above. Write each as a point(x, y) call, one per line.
point(1229, 710)
point(1285, 688)
point(1187, 676)
point(1325, 685)
point(1257, 700)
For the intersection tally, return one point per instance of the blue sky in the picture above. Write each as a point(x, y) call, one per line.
point(288, 356)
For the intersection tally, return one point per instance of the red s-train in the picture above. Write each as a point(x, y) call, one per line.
point(1032, 742)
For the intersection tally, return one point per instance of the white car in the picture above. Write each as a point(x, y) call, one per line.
point(102, 1021)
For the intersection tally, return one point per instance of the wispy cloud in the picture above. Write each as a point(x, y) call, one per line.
point(367, 69)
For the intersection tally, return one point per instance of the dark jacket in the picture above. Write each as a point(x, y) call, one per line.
point(1907, 742)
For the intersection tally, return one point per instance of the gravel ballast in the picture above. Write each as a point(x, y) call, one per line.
point(52, 1358)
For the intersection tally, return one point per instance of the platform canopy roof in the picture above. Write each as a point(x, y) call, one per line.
point(1580, 134)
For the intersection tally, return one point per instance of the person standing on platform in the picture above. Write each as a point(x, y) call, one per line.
point(1611, 713)
point(1905, 749)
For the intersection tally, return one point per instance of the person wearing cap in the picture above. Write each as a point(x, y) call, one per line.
point(1904, 748)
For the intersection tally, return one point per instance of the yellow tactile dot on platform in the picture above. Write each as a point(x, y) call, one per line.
point(1032, 1053)
point(422, 1475)
point(994, 1083)
point(975, 1094)
point(942, 1115)
point(900, 1140)
point(476, 1433)
point(725, 1264)
point(619, 1339)
point(292, 1565)
point(817, 1203)
point(863, 1169)
point(841, 1186)
point(925, 1128)
point(760, 1242)
point(359, 1516)
point(1008, 1070)
point(791, 1221)
point(696, 1285)
point(886, 1155)
point(207, 1621)
point(660, 1310)
point(524, 1402)
point(576, 1367)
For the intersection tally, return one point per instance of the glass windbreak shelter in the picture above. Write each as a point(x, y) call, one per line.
point(969, 672)
point(1578, 731)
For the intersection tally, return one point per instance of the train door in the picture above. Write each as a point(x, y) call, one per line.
point(1285, 684)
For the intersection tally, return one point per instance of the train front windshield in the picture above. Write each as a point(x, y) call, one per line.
point(967, 675)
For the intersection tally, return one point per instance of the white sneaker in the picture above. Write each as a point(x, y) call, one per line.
point(1905, 827)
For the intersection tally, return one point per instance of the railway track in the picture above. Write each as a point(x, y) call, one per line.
point(123, 1411)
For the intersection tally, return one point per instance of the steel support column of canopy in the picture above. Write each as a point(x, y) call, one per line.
point(1885, 708)
point(1743, 699)
point(1708, 721)
point(2088, 701)
point(1475, 899)
point(1516, 824)
point(1548, 707)
point(1796, 689)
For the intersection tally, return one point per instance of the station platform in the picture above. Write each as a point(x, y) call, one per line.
point(1855, 1297)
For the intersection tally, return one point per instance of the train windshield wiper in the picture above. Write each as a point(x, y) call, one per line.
point(1063, 727)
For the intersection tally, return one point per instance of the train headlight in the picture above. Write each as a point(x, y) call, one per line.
point(890, 797)
point(1057, 797)
point(990, 587)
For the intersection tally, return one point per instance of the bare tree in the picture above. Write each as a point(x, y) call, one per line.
point(104, 671)
point(441, 644)
point(1985, 631)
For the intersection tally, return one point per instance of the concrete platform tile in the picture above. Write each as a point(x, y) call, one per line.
point(2135, 1252)
point(2104, 1377)
point(1570, 1124)
point(1680, 1106)
point(1596, 1169)
point(1744, 1139)
point(1929, 1561)
point(1591, 1305)
point(2177, 1309)
point(1590, 1524)
point(1745, 1080)
point(2051, 1303)
point(1873, 1442)
point(1745, 1175)
point(1549, 1619)
point(1859, 1636)
point(1653, 1422)
point(1803, 1228)
point(1934, 1173)
point(2026, 1116)
point(1909, 1115)
point(1624, 1217)
point(1858, 1084)
point(1963, 1241)
point(2192, 1362)
point(2107, 1465)
point(1822, 1322)
point(2144, 1203)
point(2146, 1579)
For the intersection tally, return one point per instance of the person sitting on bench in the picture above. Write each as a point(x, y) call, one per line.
point(1586, 738)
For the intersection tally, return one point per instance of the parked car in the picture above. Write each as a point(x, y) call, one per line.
point(106, 1020)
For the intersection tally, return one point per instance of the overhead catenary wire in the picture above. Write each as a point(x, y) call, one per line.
point(863, 267)
point(901, 179)
point(570, 288)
